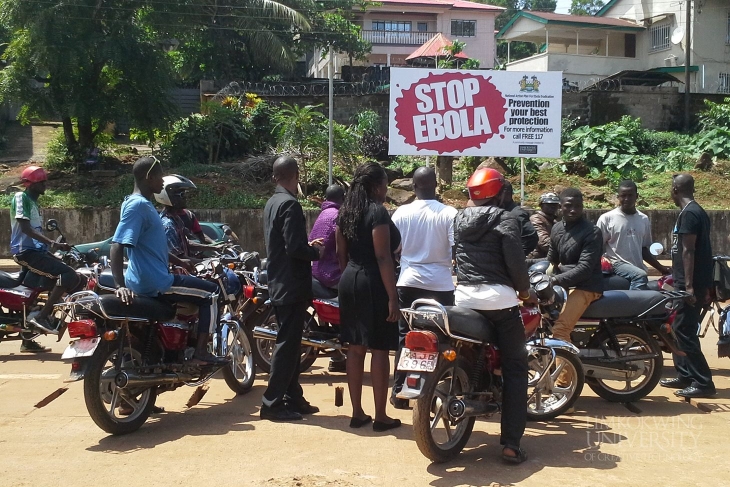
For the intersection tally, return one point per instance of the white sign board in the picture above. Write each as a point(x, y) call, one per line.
point(475, 113)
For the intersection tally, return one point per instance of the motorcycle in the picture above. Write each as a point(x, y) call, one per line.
point(259, 318)
point(621, 337)
point(454, 376)
point(24, 292)
point(127, 354)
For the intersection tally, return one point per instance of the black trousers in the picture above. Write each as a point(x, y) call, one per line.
point(406, 296)
point(511, 343)
point(284, 377)
point(694, 366)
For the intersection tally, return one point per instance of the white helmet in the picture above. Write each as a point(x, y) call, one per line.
point(170, 184)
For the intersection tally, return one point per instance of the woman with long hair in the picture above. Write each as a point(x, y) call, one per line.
point(366, 241)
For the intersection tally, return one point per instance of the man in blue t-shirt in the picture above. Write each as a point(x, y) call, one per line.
point(140, 231)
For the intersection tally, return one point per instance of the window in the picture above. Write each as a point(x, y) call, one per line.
point(422, 27)
point(724, 85)
point(463, 28)
point(727, 37)
point(392, 25)
point(659, 37)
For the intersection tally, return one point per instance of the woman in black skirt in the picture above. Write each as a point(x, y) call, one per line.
point(366, 241)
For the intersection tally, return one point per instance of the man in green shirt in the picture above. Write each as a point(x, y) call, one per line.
point(30, 248)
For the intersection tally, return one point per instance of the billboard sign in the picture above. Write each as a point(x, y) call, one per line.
point(479, 113)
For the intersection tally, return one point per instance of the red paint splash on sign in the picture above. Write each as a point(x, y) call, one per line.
point(450, 112)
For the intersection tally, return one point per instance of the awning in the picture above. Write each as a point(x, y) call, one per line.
point(651, 77)
point(433, 48)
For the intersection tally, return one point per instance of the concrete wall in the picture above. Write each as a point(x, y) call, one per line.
point(81, 226)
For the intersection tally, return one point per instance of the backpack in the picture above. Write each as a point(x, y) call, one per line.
point(721, 279)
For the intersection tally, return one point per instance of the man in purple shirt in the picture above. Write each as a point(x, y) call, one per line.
point(326, 271)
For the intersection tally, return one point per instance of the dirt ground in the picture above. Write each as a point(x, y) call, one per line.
point(660, 441)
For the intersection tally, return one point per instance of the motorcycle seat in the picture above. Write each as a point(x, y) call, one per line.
point(321, 292)
point(141, 307)
point(625, 304)
point(9, 281)
point(106, 280)
point(462, 321)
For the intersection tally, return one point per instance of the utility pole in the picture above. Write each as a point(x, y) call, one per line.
point(330, 76)
point(687, 64)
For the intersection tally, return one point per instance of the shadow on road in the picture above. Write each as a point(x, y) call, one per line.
point(36, 357)
point(205, 419)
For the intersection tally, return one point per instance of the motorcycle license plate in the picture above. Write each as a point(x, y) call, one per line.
point(418, 361)
point(81, 348)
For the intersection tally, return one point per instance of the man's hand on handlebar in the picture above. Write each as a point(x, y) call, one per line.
point(61, 246)
point(530, 297)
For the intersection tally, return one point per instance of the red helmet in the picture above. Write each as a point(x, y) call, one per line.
point(33, 174)
point(485, 183)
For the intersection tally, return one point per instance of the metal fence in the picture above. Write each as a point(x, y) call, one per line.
point(316, 88)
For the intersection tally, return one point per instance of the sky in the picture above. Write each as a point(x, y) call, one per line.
point(563, 6)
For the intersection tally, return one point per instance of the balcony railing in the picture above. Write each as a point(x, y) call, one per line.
point(398, 38)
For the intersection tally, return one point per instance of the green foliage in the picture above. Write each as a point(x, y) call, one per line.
point(91, 66)
point(222, 132)
point(57, 154)
point(408, 164)
point(585, 7)
point(373, 143)
point(715, 142)
point(716, 115)
point(621, 150)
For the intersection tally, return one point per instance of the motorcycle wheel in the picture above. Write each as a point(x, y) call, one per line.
point(241, 372)
point(430, 411)
point(555, 391)
point(263, 349)
point(630, 340)
point(103, 398)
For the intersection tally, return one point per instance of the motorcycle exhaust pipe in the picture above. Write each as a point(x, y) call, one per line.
point(125, 380)
point(260, 333)
point(466, 408)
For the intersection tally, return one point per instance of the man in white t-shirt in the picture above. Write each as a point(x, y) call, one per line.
point(427, 232)
point(627, 237)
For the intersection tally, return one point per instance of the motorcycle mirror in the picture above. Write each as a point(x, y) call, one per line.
point(227, 230)
point(51, 225)
point(656, 248)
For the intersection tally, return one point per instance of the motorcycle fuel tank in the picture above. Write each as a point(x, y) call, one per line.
point(16, 298)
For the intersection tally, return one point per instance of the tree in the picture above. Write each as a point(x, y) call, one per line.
point(85, 63)
point(518, 50)
point(585, 7)
point(231, 39)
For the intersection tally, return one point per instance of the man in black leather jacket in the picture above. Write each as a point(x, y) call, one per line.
point(492, 278)
point(576, 246)
point(528, 233)
point(290, 289)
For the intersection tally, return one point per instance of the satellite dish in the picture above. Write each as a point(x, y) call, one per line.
point(677, 35)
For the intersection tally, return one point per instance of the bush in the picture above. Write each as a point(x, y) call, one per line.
point(409, 164)
point(373, 142)
point(58, 156)
point(237, 127)
point(717, 115)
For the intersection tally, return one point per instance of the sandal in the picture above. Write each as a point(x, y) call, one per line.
point(519, 456)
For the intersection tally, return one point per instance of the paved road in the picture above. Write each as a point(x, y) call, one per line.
point(222, 441)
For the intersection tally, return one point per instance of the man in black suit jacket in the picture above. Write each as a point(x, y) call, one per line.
point(290, 289)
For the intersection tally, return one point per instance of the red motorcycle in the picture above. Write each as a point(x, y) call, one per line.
point(127, 354)
point(24, 292)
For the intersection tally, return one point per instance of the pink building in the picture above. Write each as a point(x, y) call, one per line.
point(396, 28)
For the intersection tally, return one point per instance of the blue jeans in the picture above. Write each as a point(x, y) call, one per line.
point(193, 290)
point(636, 276)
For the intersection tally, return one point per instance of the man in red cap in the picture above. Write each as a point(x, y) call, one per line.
point(30, 249)
point(492, 279)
